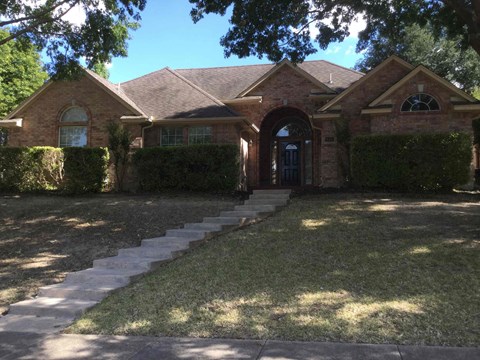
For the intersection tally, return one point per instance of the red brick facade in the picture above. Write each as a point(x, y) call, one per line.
point(286, 92)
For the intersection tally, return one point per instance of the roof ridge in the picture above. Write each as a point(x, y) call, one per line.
point(188, 82)
point(226, 67)
point(342, 67)
point(142, 76)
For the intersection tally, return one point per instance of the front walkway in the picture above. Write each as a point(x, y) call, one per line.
point(44, 346)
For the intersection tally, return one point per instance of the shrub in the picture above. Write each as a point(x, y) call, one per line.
point(427, 162)
point(30, 169)
point(209, 167)
point(85, 169)
point(73, 170)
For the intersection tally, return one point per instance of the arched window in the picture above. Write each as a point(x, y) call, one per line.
point(73, 127)
point(420, 102)
point(292, 127)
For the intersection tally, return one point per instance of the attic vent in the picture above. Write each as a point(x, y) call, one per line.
point(331, 79)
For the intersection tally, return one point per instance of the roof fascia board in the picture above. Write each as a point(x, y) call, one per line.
point(366, 78)
point(275, 69)
point(11, 123)
point(429, 73)
point(467, 107)
point(137, 110)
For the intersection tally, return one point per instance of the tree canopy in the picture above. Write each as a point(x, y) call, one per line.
point(21, 73)
point(98, 31)
point(416, 44)
point(283, 28)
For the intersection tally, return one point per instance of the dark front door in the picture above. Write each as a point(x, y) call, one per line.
point(290, 163)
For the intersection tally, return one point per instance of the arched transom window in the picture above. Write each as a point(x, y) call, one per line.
point(73, 127)
point(420, 102)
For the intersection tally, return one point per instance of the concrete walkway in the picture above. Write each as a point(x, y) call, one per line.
point(47, 346)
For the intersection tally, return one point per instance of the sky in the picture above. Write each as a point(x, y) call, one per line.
point(168, 37)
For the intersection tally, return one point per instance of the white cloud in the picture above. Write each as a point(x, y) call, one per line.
point(335, 50)
point(350, 50)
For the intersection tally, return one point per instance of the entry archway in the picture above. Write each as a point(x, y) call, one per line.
point(286, 149)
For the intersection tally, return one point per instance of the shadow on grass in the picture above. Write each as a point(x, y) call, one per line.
point(327, 268)
point(44, 237)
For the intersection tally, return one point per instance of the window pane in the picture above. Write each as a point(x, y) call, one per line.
point(74, 114)
point(420, 102)
point(172, 136)
point(200, 135)
point(73, 136)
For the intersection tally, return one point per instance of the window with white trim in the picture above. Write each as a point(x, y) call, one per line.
point(200, 135)
point(420, 102)
point(73, 127)
point(171, 136)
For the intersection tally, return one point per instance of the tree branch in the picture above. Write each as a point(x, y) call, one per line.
point(38, 23)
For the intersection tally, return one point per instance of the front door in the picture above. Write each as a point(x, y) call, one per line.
point(290, 163)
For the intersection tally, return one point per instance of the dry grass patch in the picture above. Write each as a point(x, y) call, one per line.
point(44, 237)
point(327, 268)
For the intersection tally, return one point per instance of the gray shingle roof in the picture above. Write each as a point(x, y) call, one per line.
point(116, 90)
point(165, 94)
point(195, 93)
point(228, 82)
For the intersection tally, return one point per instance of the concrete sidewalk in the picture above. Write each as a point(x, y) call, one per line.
point(36, 346)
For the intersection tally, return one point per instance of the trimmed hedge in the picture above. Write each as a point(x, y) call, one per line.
point(427, 162)
point(208, 167)
point(41, 168)
point(86, 169)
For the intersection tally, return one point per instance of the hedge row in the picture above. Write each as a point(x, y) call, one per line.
point(194, 167)
point(433, 162)
point(71, 170)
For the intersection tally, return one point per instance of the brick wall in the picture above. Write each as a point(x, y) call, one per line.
point(41, 118)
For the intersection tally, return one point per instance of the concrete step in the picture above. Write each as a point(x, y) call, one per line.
point(276, 202)
point(272, 191)
point(128, 263)
point(224, 220)
point(88, 291)
point(102, 276)
point(191, 234)
point(52, 307)
point(243, 214)
point(167, 240)
point(269, 196)
point(34, 324)
point(205, 226)
point(259, 208)
point(149, 253)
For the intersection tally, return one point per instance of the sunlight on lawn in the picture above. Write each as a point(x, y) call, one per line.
point(179, 315)
point(312, 224)
point(356, 312)
point(417, 250)
point(42, 260)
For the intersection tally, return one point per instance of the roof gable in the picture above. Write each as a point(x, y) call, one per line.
point(366, 78)
point(277, 68)
point(107, 86)
point(412, 74)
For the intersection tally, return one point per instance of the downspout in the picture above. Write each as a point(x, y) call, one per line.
point(150, 118)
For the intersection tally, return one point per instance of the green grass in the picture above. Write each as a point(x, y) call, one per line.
point(327, 268)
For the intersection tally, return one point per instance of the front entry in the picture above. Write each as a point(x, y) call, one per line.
point(286, 149)
point(290, 164)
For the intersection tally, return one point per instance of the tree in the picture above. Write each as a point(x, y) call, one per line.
point(102, 33)
point(417, 45)
point(102, 70)
point(21, 73)
point(119, 140)
point(279, 28)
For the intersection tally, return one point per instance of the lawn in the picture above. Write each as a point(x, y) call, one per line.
point(348, 268)
point(42, 238)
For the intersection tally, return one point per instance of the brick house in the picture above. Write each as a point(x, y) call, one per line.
point(286, 118)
